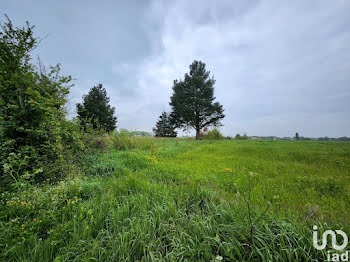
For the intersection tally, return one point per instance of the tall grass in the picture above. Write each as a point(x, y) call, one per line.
point(117, 141)
point(133, 219)
point(182, 202)
point(122, 141)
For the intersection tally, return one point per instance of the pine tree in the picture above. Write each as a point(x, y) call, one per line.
point(96, 109)
point(164, 127)
point(193, 98)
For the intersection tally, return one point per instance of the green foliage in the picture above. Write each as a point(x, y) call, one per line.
point(97, 142)
point(32, 114)
point(184, 203)
point(122, 141)
point(96, 110)
point(239, 137)
point(145, 199)
point(94, 140)
point(144, 143)
point(213, 135)
point(193, 98)
point(164, 127)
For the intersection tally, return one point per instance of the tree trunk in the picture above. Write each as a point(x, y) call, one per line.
point(198, 131)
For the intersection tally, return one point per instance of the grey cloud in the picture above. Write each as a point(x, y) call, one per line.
point(281, 67)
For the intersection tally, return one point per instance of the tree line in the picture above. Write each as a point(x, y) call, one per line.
point(37, 141)
point(192, 104)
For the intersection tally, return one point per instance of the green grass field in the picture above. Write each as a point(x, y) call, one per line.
point(181, 200)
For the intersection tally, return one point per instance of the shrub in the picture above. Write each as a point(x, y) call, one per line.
point(96, 142)
point(34, 134)
point(213, 135)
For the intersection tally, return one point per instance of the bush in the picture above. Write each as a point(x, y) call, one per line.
point(213, 135)
point(96, 142)
point(35, 140)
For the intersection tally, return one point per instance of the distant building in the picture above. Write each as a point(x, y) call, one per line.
point(269, 138)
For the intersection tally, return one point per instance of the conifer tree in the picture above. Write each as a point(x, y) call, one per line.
point(192, 101)
point(164, 127)
point(96, 109)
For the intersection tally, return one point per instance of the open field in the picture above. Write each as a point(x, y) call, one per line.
point(94, 165)
point(181, 200)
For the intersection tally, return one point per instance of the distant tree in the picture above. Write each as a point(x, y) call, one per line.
point(343, 138)
point(164, 127)
point(193, 98)
point(124, 130)
point(326, 138)
point(135, 133)
point(296, 136)
point(239, 137)
point(140, 133)
point(96, 110)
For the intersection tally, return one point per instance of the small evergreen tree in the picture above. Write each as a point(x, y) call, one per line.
point(164, 127)
point(192, 101)
point(296, 136)
point(96, 110)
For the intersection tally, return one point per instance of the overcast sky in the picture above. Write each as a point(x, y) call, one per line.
point(280, 66)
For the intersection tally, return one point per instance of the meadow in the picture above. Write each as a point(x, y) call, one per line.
point(183, 200)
